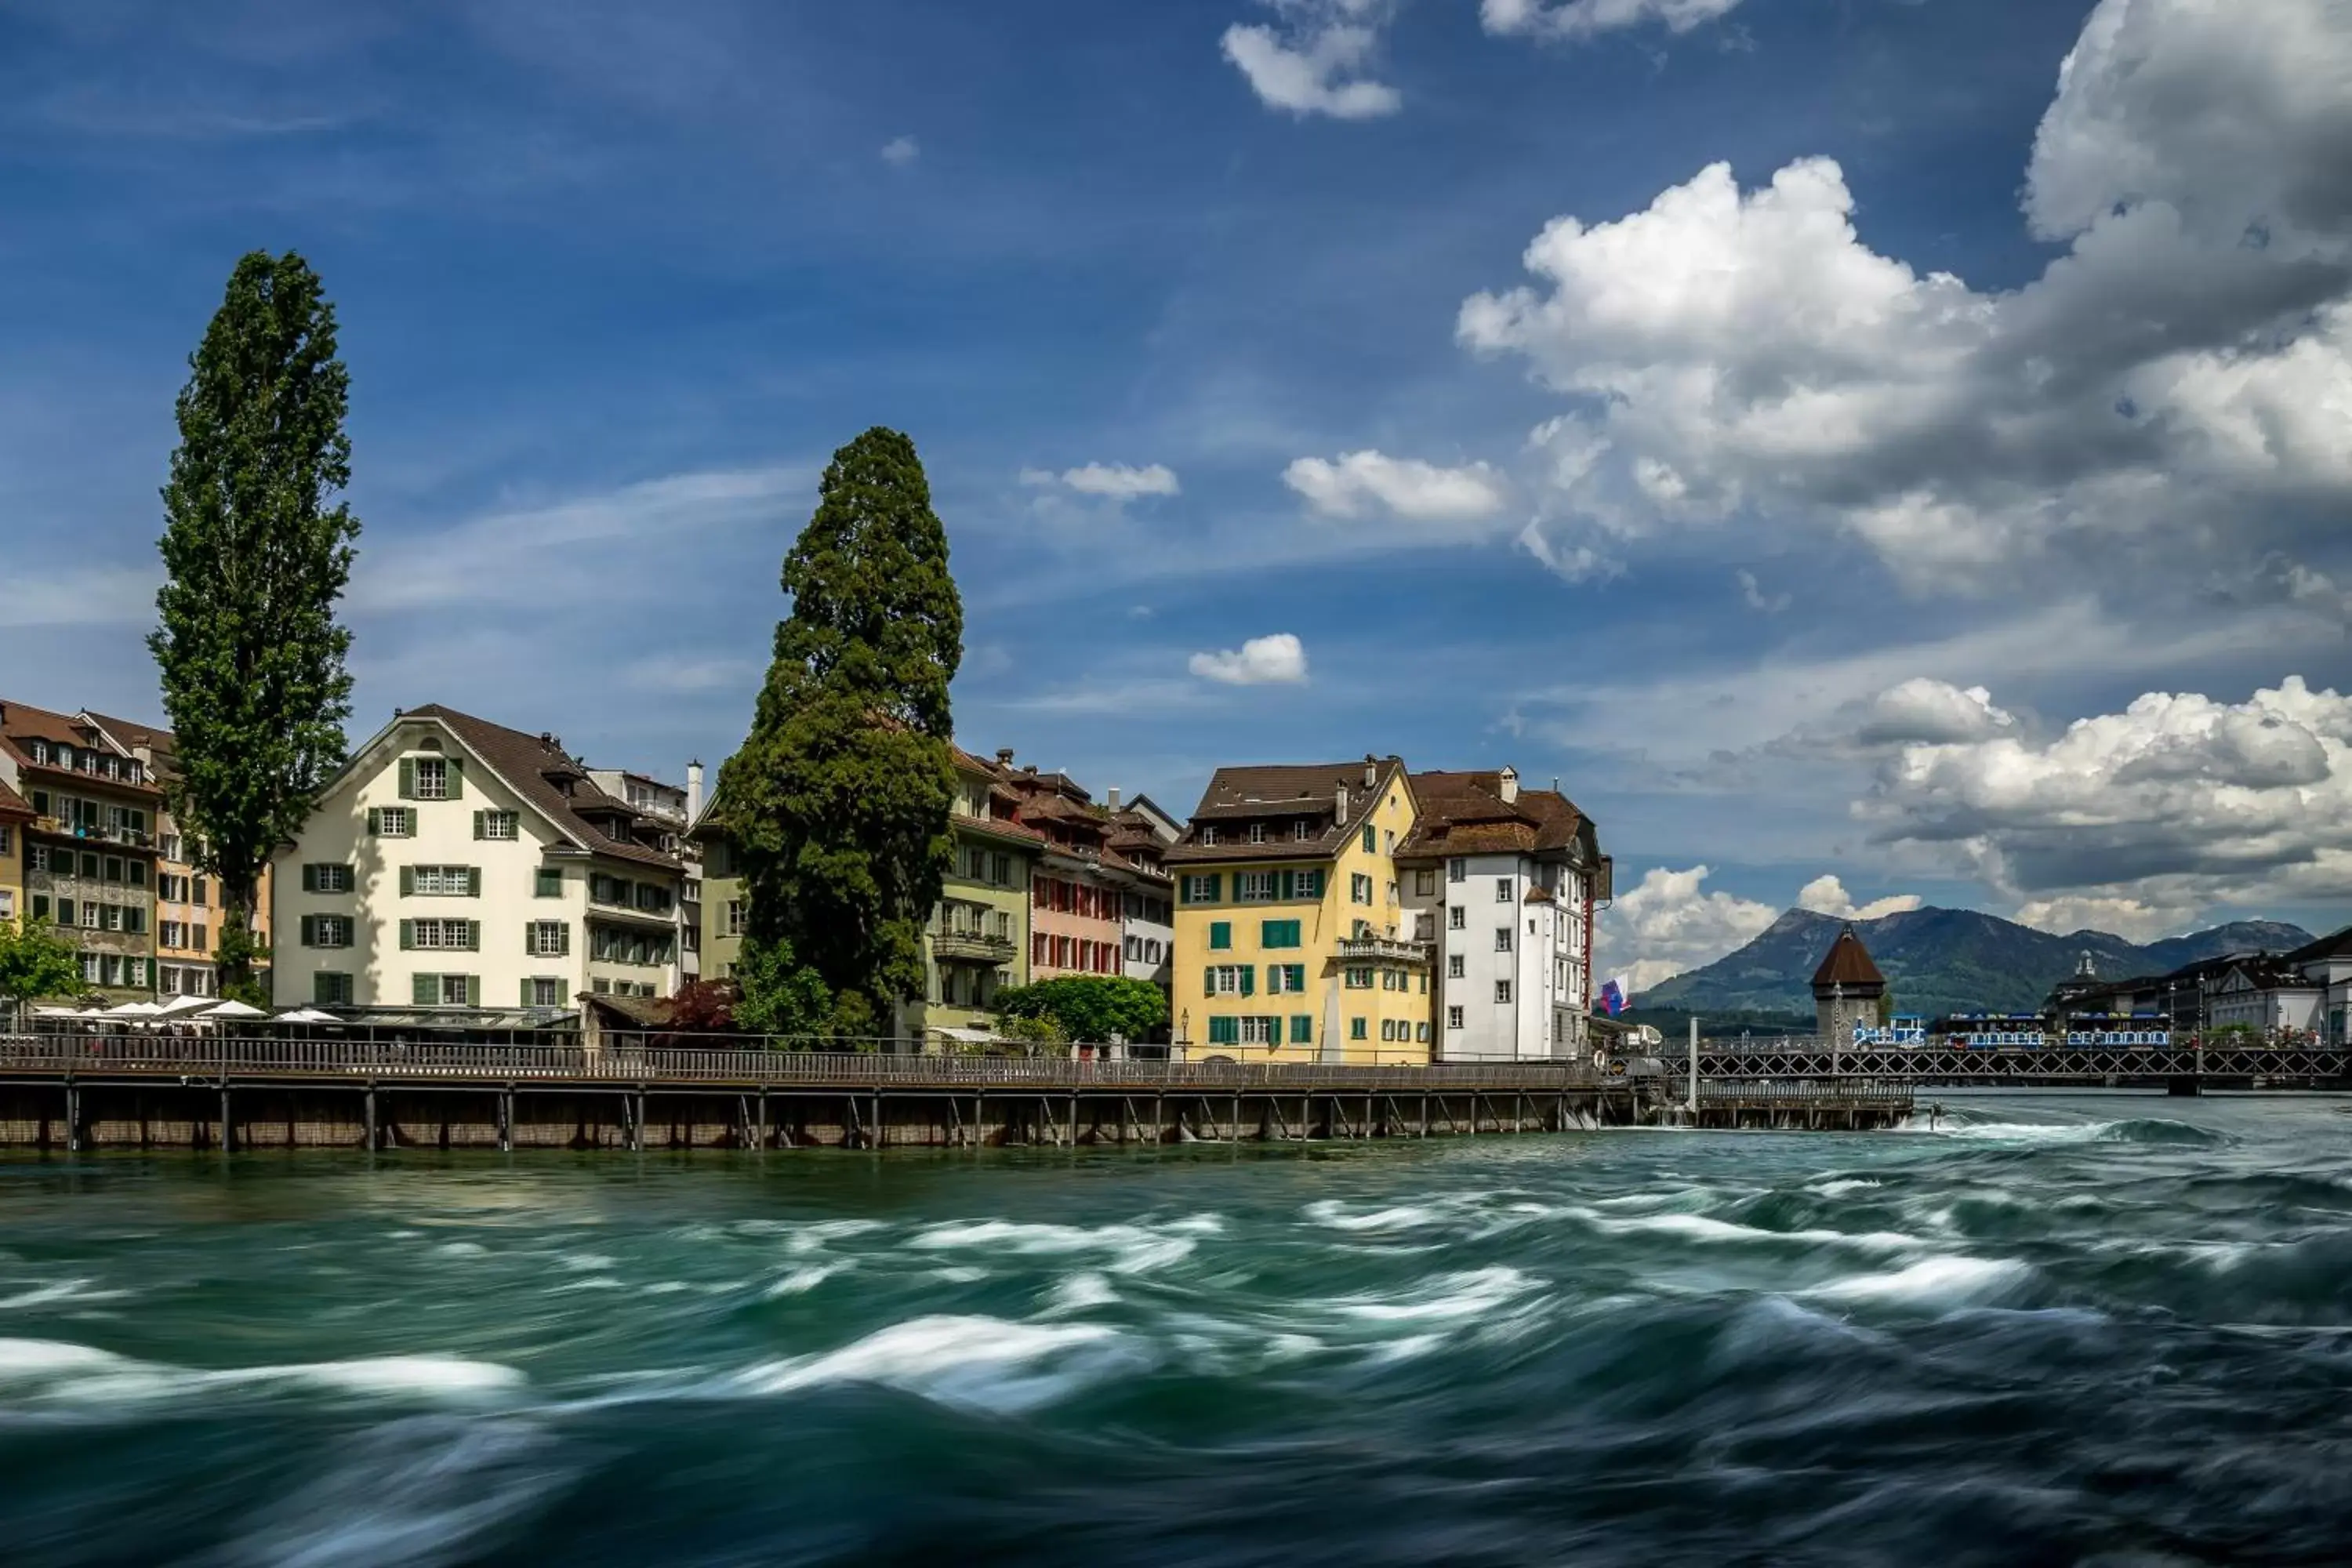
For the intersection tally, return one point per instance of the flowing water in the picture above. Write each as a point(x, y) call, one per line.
point(2099, 1329)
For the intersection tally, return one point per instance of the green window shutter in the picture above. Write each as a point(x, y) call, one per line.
point(1302, 1029)
point(407, 880)
point(1369, 842)
point(1270, 933)
point(457, 775)
point(473, 991)
point(526, 993)
point(564, 945)
point(407, 935)
point(527, 927)
point(1249, 979)
point(1220, 934)
point(474, 936)
point(473, 881)
point(478, 824)
point(408, 778)
point(1208, 982)
point(374, 821)
point(1216, 886)
point(321, 988)
point(309, 878)
point(423, 990)
point(310, 928)
point(1289, 885)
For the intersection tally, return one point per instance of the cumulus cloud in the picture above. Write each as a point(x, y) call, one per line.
point(1826, 895)
point(900, 150)
point(2143, 818)
point(1670, 923)
point(1584, 18)
point(1276, 660)
point(1753, 592)
point(1114, 482)
point(1734, 354)
point(1404, 488)
point(1315, 58)
point(1931, 710)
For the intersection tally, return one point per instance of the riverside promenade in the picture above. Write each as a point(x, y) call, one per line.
point(77, 1092)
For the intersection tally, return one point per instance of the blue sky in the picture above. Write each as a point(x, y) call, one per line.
point(1790, 512)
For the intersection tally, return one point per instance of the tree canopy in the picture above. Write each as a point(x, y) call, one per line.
point(1089, 1007)
point(837, 804)
point(256, 553)
point(35, 963)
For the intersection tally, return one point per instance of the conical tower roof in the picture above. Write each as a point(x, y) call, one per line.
point(1847, 967)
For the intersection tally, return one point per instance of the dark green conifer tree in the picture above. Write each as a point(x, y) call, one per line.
point(838, 802)
point(248, 647)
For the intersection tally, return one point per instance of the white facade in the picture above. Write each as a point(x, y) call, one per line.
point(1507, 934)
point(1148, 932)
point(425, 879)
point(2238, 1001)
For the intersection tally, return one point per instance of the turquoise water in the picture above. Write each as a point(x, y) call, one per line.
point(2105, 1329)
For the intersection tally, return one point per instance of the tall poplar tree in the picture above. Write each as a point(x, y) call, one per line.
point(838, 802)
point(258, 549)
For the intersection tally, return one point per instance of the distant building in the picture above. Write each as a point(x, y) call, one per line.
point(1847, 988)
point(1140, 834)
point(677, 809)
point(16, 815)
point(1525, 868)
point(89, 853)
point(2307, 992)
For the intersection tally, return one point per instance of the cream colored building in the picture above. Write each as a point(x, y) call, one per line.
point(456, 863)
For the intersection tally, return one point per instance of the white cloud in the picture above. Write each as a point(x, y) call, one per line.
point(901, 151)
point(1121, 482)
point(1931, 710)
point(1671, 923)
point(1753, 592)
point(1745, 355)
point(1317, 57)
point(2128, 918)
point(1277, 660)
point(1826, 895)
point(2175, 804)
point(1584, 18)
point(1404, 488)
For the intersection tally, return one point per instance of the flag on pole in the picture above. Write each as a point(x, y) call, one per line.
point(1613, 995)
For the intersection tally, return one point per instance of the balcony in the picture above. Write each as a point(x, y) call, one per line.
point(94, 832)
point(1381, 948)
point(971, 947)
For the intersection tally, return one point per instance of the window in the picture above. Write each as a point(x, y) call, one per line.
point(138, 873)
point(1457, 918)
point(329, 988)
point(326, 930)
point(91, 915)
point(447, 991)
point(1200, 889)
point(1392, 890)
point(460, 935)
point(1371, 838)
point(541, 991)
point(1420, 1033)
point(392, 822)
point(203, 942)
point(1360, 889)
point(1256, 887)
point(167, 979)
point(1261, 1031)
point(89, 864)
point(1502, 890)
point(1208, 834)
point(1303, 829)
point(1000, 870)
point(1360, 979)
point(1502, 939)
point(547, 938)
point(1457, 870)
point(1356, 1029)
point(1224, 1031)
point(1278, 933)
point(1502, 992)
point(1229, 980)
point(498, 824)
point(114, 867)
point(1257, 832)
point(1285, 978)
point(326, 878)
point(1302, 1029)
point(441, 881)
point(431, 776)
point(1453, 1017)
point(1456, 966)
point(1221, 936)
point(1388, 1031)
point(1424, 883)
point(548, 883)
point(172, 934)
point(737, 918)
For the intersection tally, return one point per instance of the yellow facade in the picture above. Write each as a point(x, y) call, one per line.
point(1304, 959)
point(13, 816)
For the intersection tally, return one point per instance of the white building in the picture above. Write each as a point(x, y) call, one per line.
point(456, 862)
point(2307, 992)
point(677, 810)
point(1140, 834)
point(1503, 883)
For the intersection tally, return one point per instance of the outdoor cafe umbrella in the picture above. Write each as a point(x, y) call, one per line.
point(233, 1009)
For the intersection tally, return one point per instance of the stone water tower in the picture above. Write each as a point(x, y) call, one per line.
point(1846, 989)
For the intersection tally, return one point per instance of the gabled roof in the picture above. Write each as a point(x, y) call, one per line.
point(1464, 813)
point(1848, 965)
point(1285, 793)
point(522, 763)
point(22, 723)
point(14, 806)
point(131, 734)
point(2338, 944)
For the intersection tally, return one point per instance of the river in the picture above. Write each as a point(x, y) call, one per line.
point(2102, 1329)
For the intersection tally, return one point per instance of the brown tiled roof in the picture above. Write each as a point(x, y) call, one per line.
point(1464, 813)
point(12, 804)
point(523, 761)
point(21, 722)
point(1847, 964)
point(1282, 793)
point(131, 734)
point(2336, 945)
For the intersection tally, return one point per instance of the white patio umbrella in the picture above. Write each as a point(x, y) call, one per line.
point(132, 1010)
point(306, 1016)
point(234, 1009)
point(179, 1006)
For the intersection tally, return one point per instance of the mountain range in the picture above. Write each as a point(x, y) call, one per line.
point(1940, 960)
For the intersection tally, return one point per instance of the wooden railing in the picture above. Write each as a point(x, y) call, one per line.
point(205, 1058)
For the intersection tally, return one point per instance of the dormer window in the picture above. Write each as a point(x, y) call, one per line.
point(1257, 832)
point(1208, 835)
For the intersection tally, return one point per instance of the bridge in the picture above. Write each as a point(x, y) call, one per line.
point(2254, 1064)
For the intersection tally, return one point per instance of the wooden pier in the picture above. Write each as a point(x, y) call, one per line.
point(76, 1092)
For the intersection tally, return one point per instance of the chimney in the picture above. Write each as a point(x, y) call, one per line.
point(1003, 756)
point(694, 790)
point(1509, 780)
point(1371, 772)
point(1110, 798)
point(1339, 805)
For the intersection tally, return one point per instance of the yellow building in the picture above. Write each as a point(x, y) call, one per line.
point(16, 815)
point(1292, 942)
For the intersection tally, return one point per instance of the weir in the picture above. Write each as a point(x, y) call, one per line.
point(78, 1092)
